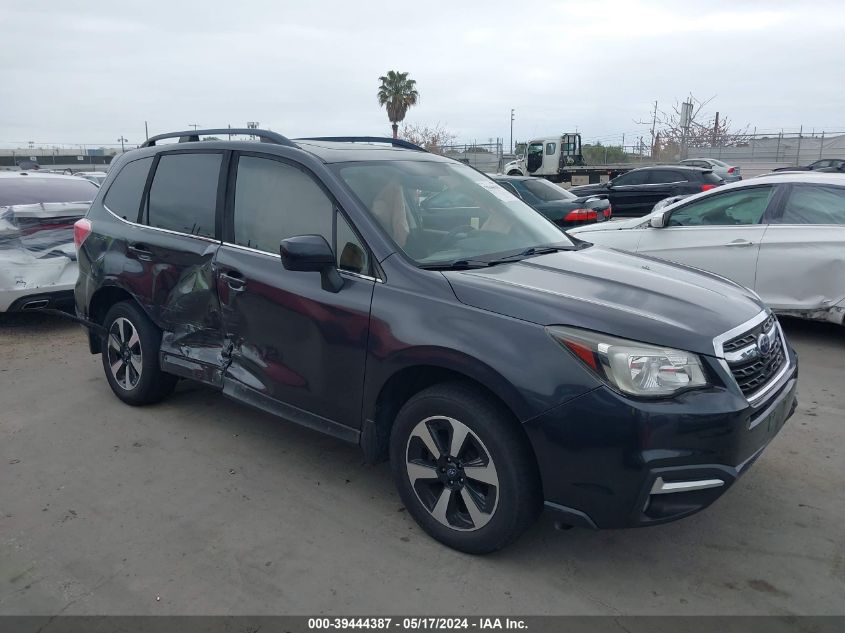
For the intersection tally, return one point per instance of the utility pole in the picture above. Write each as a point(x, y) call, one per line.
point(686, 121)
point(715, 131)
point(653, 125)
point(146, 131)
point(122, 140)
point(512, 113)
point(193, 125)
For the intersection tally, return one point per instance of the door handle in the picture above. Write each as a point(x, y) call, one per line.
point(234, 279)
point(740, 243)
point(141, 251)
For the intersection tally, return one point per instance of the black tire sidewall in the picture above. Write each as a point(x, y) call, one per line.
point(519, 497)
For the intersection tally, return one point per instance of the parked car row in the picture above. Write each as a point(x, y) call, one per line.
point(407, 303)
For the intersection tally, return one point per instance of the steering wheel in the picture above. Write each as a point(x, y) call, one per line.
point(452, 235)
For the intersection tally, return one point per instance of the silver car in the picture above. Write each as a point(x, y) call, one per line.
point(782, 235)
point(38, 266)
point(728, 173)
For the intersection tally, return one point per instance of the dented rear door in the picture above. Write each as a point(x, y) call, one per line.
point(802, 256)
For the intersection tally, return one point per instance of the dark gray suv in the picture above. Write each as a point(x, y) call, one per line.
point(500, 365)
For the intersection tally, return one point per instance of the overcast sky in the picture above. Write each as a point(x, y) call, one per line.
point(89, 72)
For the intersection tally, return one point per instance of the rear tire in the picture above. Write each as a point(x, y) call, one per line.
point(130, 356)
point(464, 468)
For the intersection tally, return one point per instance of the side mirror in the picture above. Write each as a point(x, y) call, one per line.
point(609, 184)
point(659, 221)
point(312, 253)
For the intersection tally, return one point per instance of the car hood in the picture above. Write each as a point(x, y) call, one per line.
point(630, 296)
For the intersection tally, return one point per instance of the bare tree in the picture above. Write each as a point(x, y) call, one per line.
point(432, 138)
point(705, 129)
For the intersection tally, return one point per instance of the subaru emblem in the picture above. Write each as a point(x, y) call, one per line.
point(764, 344)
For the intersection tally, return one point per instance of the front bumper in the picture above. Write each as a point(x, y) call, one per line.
point(608, 461)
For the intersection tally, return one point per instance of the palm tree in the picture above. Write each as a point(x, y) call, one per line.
point(397, 93)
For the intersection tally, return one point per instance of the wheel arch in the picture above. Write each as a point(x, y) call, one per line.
point(410, 379)
point(101, 301)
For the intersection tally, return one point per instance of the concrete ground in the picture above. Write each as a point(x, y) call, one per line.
point(202, 506)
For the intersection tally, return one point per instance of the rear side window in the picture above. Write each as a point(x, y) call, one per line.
point(124, 195)
point(275, 200)
point(631, 178)
point(814, 204)
point(660, 176)
point(183, 196)
point(550, 148)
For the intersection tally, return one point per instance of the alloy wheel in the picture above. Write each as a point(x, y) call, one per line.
point(452, 473)
point(124, 353)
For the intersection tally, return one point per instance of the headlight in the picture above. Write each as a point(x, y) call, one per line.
point(638, 369)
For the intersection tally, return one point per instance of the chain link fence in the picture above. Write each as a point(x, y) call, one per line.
point(487, 157)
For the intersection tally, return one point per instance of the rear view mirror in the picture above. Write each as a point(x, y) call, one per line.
point(312, 253)
point(659, 221)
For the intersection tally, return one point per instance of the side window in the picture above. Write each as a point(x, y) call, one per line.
point(124, 195)
point(351, 253)
point(509, 187)
point(524, 193)
point(550, 149)
point(742, 206)
point(662, 176)
point(631, 178)
point(814, 204)
point(183, 195)
point(275, 200)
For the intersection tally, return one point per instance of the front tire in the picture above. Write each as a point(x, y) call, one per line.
point(130, 356)
point(464, 468)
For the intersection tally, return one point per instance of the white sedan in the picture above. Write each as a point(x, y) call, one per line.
point(781, 235)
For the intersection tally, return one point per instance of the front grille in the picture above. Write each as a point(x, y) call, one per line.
point(755, 372)
point(751, 337)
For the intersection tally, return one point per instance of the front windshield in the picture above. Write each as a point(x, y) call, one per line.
point(546, 191)
point(473, 217)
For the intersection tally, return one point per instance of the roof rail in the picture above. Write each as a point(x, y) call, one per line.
point(190, 136)
point(395, 142)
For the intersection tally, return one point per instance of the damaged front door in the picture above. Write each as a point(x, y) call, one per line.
point(297, 349)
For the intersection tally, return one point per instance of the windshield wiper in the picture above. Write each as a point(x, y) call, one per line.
point(460, 264)
point(529, 252)
point(466, 264)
